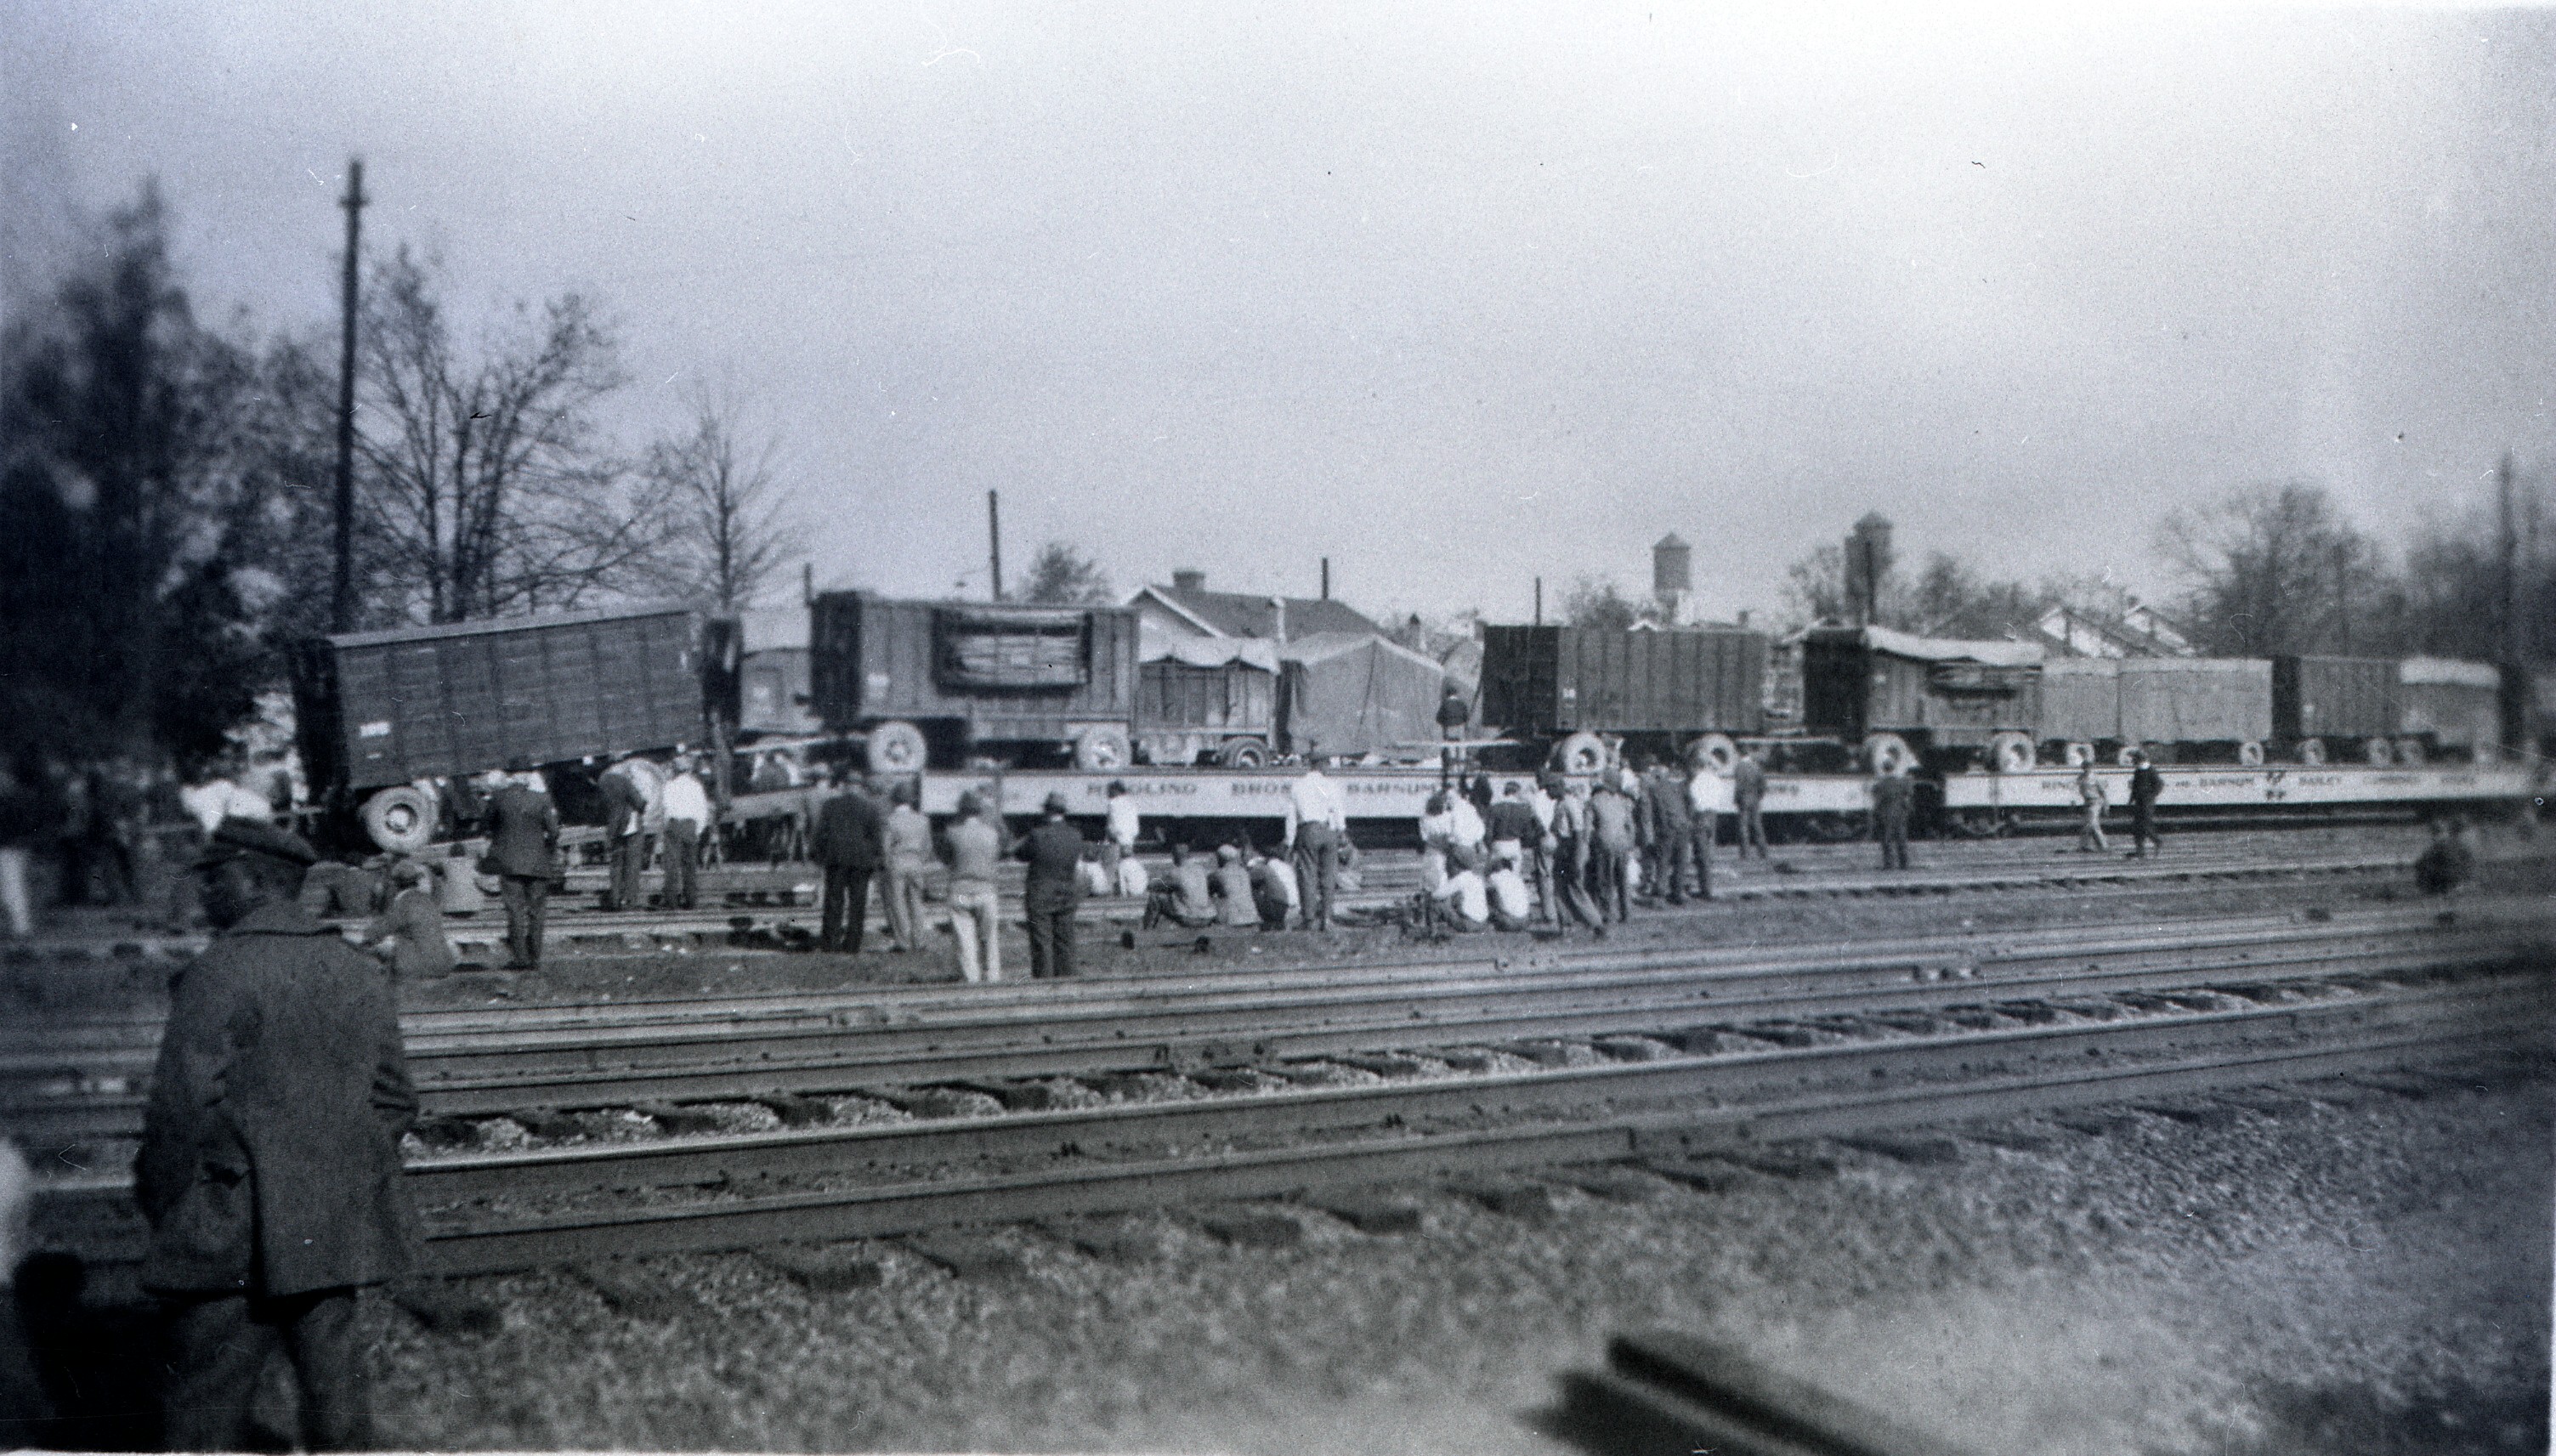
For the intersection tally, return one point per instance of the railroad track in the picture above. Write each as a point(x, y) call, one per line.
point(1432, 1109)
point(72, 1089)
point(750, 926)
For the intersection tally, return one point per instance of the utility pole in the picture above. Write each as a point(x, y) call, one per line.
point(994, 537)
point(342, 602)
point(1539, 602)
point(2515, 676)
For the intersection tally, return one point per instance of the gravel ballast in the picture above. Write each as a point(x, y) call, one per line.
point(2364, 1269)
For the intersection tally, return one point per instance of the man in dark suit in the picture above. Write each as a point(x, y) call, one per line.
point(1894, 798)
point(1055, 853)
point(270, 1165)
point(850, 842)
point(524, 848)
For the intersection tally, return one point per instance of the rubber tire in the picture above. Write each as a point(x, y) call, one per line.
point(1102, 749)
point(2378, 752)
point(2078, 756)
point(399, 820)
point(2249, 754)
point(2126, 755)
point(2312, 752)
point(1715, 751)
point(2010, 752)
point(897, 747)
point(1580, 753)
point(2411, 754)
point(1244, 753)
point(1886, 754)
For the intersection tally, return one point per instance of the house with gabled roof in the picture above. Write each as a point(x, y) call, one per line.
point(1188, 608)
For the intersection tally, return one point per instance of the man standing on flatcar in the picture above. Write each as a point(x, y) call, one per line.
point(1894, 798)
point(2147, 787)
point(1316, 823)
point(849, 842)
point(1055, 853)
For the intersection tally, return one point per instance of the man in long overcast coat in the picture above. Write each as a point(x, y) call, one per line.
point(270, 1164)
point(850, 842)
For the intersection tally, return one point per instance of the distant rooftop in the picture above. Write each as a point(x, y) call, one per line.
point(1251, 615)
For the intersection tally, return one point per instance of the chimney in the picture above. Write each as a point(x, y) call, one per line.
point(1744, 618)
point(1326, 579)
point(1188, 579)
point(1278, 606)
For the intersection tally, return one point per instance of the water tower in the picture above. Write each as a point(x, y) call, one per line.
point(1672, 578)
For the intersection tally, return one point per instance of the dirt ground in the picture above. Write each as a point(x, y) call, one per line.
point(2368, 1275)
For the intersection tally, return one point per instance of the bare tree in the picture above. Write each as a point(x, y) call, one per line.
point(1062, 574)
point(2275, 568)
point(733, 511)
point(488, 484)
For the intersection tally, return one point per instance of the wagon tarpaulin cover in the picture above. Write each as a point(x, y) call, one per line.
point(1355, 693)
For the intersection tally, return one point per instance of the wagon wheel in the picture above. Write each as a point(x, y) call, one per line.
point(897, 747)
point(2249, 753)
point(2078, 756)
point(2312, 752)
point(2410, 753)
point(1244, 753)
point(399, 820)
point(1582, 752)
point(1887, 754)
point(2378, 752)
point(1100, 747)
point(2010, 752)
point(1713, 752)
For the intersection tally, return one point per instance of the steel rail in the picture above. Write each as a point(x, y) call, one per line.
point(911, 1205)
point(1205, 1025)
point(2505, 1002)
point(43, 1052)
point(658, 928)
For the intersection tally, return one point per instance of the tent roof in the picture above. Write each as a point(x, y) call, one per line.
point(1936, 649)
point(1153, 644)
point(2449, 669)
point(1324, 646)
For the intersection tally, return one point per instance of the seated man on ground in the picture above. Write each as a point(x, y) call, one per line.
point(1231, 884)
point(1513, 903)
point(1273, 890)
point(1187, 899)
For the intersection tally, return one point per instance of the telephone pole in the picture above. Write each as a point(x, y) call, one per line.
point(342, 602)
point(2516, 728)
point(994, 537)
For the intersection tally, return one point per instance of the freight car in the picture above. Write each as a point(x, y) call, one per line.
point(1664, 692)
point(938, 683)
point(381, 714)
point(1900, 700)
point(1208, 700)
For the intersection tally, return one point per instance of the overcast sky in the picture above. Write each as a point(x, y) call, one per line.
point(1455, 295)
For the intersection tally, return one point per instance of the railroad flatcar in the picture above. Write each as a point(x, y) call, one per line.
point(1663, 691)
point(378, 714)
point(933, 684)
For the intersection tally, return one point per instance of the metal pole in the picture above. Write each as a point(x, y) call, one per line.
point(994, 537)
point(2515, 679)
point(1539, 602)
point(1326, 579)
point(341, 601)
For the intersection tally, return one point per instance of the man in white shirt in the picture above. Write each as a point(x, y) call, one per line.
point(1317, 821)
point(1468, 898)
point(1706, 795)
point(1119, 845)
point(686, 807)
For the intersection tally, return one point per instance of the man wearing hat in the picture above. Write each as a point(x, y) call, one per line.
point(1055, 853)
point(270, 1167)
point(413, 922)
point(524, 851)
